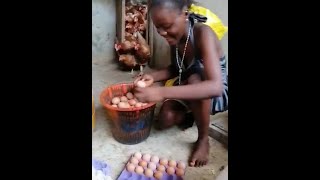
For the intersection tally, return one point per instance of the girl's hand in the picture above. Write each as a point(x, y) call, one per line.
point(148, 79)
point(148, 94)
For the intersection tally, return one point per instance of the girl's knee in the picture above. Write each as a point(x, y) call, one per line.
point(167, 116)
point(166, 119)
point(171, 113)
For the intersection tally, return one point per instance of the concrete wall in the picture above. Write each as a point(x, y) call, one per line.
point(220, 8)
point(103, 29)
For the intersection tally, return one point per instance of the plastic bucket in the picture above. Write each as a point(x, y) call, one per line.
point(131, 125)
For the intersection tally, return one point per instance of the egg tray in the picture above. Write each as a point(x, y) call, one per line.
point(99, 165)
point(126, 175)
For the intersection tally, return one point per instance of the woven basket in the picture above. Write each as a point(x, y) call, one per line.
point(130, 125)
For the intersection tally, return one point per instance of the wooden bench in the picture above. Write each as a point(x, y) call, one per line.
point(218, 128)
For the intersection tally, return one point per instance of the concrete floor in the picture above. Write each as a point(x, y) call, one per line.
point(172, 143)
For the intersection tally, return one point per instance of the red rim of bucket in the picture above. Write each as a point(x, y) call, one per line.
point(108, 106)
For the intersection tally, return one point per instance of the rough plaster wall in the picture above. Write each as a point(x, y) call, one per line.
point(104, 19)
point(220, 8)
point(103, 29)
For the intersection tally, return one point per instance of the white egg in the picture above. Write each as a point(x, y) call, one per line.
point(123, 99)
point(141, 84)
point(127, 105)
point(132, 102)
point(155, 159)
point(134, 160)
point(115, 100)
point(146, 157)
point(122, 105)
point(139, 104)
point(152, 165)
point(138, 155)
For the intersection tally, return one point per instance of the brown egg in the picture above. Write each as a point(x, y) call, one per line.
point(130, 167)
point(115, 100)
point(114, 105)
point(155, 159)
point(152, 166)
point(132, 102)
point(148, 172)
point(143, 163)
point(129, 95)
point(179, 172)
point(134, 160)
point(163, 161)
point(181, 165)
point(123, 99)
point(172, 163)
point(170, 170)
point(141, 84)
point(161, 168)
point(138, 155)
point(138, 104)
point(146, 157)
point(139, 170)
point(158, 175)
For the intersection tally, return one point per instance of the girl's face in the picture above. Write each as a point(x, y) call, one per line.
point(170, 23)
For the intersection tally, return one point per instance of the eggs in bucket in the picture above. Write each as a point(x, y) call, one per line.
point(127, 101)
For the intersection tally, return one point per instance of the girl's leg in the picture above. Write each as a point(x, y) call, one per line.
point(201, 112)
point(171, 113)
